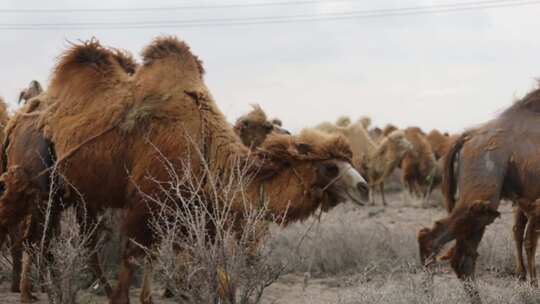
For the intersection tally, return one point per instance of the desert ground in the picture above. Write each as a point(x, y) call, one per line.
point(369, 255)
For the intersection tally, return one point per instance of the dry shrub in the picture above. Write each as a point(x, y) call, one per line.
point(211, 245)
point(60, 258)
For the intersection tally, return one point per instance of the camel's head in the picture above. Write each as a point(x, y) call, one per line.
point(341, 182)
point(321, 165)
point(254, 127)
point(33, 90)
point(431, 241)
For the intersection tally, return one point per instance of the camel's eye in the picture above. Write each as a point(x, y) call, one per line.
point(330, 170)
point(246, 124)
point(303, 148)
point(268, 127)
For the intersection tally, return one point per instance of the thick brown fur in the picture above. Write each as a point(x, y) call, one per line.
point(495, 161)
point(389, 128)
point(110, 132)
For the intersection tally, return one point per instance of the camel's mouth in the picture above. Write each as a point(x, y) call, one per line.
point(350, 185)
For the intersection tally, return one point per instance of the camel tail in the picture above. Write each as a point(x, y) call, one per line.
point(449, 182)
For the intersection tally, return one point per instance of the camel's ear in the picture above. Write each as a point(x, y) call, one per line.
point(304, 148)
point(23, 92)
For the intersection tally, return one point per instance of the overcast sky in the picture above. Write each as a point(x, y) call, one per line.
point(446, 71)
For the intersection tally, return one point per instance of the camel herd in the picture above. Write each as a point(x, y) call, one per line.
point(105, 122)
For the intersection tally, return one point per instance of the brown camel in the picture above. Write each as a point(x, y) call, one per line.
point(254, 127)
point(386, 158)
point(26, 151)
point(420, 173)
point(33, 90)
point(374, 161)
point(495, 161)
point(110, 132)
point(439, 142)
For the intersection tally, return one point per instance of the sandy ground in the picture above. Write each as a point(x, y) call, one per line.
point(355, 286)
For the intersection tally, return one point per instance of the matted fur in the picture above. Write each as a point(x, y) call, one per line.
point(126, 60)
point(164, 47)
point(320, 146)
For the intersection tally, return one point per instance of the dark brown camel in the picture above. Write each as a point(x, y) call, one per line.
point(110, 132)
point(26, 151)
point(495, 161)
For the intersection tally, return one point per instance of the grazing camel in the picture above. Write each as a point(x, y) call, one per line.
point(33, 90)
point(109, 132)
point(26, 149)
point(495, 161)
point(254, 127)
point(374, 161)
point(420, 173)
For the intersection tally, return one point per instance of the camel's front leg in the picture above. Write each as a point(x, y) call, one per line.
point(520, 222)
point(25, 285)
point(381, 188)
point(531, 240)
point(16, 257)
point(464, 263)
point(146, 292)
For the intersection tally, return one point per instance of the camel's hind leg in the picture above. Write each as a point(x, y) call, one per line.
point(520, 222)
point(89, 225)
point(531, 241)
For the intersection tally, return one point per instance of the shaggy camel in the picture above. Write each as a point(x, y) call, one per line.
point(420, 173)
point(492, 162)
point(33, 90)
point(26, 149)
point(109, 131)
point(374, 161)
point(254, 127)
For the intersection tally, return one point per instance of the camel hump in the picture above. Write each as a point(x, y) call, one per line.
point(171, 47)
point(125, 60)
point(85, 65)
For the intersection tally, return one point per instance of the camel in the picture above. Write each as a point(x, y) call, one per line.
point(26, 149)
point(33, 90)
point(374, 161)
point(492, 162)
point(389, 128)
point(439, 142)
point(109, 132)
point(254, 127)
point(343, 121)
point(420, 173)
